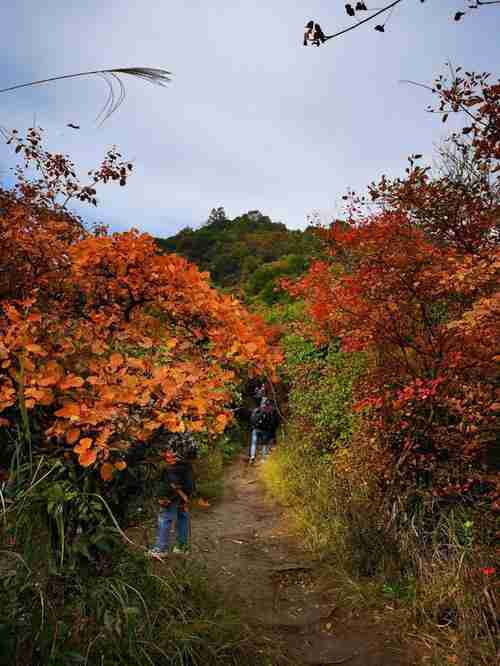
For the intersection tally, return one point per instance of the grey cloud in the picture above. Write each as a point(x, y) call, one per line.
point(252, 119)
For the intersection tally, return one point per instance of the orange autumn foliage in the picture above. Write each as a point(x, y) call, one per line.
point(103, 338)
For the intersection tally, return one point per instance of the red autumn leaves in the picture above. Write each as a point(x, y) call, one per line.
point(416, 287)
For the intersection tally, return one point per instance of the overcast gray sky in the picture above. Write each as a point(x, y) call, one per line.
point(252, 119)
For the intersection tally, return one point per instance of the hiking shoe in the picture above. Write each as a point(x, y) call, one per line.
point(251, 461)
point(181, 550)
point(156, 553)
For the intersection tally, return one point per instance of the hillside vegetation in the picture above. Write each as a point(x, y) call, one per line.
point(247, 254)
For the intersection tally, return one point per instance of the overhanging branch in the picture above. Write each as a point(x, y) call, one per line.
point(369, 18)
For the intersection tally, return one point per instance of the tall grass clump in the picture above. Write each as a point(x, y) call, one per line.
point(312, 472)
point(130, 612)
point(75, 590)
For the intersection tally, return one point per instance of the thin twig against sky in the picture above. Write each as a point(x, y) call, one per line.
point(359, 23)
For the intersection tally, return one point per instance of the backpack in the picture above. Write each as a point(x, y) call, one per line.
point(264, 420)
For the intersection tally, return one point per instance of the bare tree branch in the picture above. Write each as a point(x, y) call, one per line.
point(369, 18)
point(391, 6)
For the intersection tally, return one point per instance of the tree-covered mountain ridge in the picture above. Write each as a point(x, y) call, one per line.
point(247, 254)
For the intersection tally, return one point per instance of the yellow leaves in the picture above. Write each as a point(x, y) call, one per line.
point(106, 471)
point(203, 503)
point(71, 411)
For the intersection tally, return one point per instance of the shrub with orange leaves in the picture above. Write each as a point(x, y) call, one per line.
point(103, 339)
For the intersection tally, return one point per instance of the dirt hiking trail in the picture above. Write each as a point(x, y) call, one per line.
point(280, 591)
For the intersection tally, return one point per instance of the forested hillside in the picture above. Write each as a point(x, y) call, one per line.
point(248, 253)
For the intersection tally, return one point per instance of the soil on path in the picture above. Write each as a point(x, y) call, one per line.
point(280, 591)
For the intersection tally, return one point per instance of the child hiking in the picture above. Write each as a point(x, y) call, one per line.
point(264, 421)
point(176, 488)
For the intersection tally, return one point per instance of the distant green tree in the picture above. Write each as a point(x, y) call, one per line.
point(217, 217)
point(246, 254)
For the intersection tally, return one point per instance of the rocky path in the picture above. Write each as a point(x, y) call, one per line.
point(281, 592)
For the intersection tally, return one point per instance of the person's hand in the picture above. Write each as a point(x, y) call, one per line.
point(163, 502)
point(170, 458)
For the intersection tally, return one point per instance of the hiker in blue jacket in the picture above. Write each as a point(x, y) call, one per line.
point(264, 421)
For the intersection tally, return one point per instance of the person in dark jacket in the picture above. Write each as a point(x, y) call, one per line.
point(176, 488)
point(264, 421)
